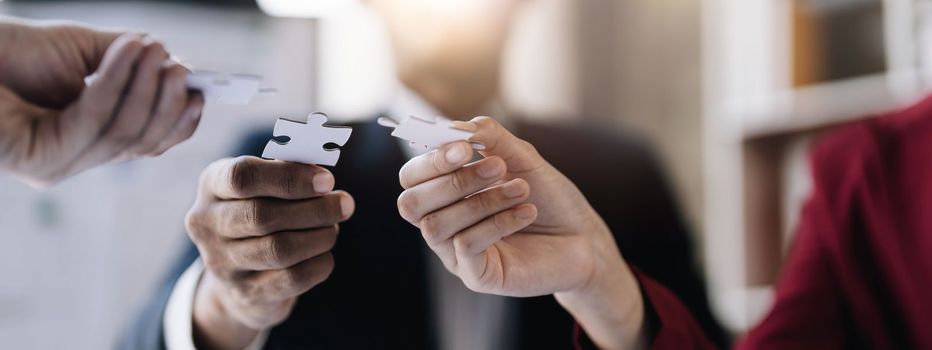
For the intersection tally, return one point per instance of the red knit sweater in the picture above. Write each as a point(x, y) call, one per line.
point(859, 274)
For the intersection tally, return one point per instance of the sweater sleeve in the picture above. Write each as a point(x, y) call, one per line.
point(809, 306)
point(671, 321)
point(805, 313)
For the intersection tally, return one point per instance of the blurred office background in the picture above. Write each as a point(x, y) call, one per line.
point(730, 92)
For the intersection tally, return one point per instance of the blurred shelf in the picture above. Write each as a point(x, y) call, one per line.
point(826, 104)
point(775, 74)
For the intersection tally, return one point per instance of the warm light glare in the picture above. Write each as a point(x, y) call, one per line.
point(305, 8)
point(443, 6)
point(325, 8)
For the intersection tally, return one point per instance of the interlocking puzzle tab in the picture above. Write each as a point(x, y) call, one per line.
point(307, 140)
point(235, 89)
point(424, 134)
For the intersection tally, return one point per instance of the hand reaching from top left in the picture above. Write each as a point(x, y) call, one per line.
point(52, 125)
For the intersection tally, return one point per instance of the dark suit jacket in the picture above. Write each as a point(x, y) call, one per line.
point(377, 296)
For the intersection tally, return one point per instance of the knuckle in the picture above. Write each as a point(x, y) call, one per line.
point(207, 175)
point(484, 121)
point(430, 229)
point(328, 210)
point(176, 73)
point(462, 243)
point(156, 151)
point(479, 202)
point(199, 222)
point(287, 183)
point(271, 251)
point(157, 50)
point(437, 162)
point(134, 45)
point(407, 206)
point(473, 284)
point(193, 222)
point(242, 176)
point(255, 215)
point(528, 147)
point(147, 147)
point(243, 291)
point(144, 151)
point(292, 280)
point(501, 222)
point(458, 181)
point(404, 176)
point(330, 237)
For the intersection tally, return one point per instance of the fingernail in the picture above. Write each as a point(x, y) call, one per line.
point(456, 154)
point(346, 206)
point(513, 189)
point(323, 182)
point(525, 212)
point(489, 169)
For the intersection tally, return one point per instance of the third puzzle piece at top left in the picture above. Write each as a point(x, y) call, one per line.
point(307, 140)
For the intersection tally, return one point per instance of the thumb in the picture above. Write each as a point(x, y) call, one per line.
point(519, 155)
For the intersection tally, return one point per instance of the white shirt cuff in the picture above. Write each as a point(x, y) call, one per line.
point(177, 323)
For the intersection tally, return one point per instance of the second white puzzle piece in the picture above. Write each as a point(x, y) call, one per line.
point(426, 135)
point(307, 140)
point(235, 89)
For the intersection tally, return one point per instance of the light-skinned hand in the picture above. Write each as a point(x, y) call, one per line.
point(511, 224)
point(52, 125)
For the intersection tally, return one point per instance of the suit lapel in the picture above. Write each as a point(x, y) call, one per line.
point(377, 295)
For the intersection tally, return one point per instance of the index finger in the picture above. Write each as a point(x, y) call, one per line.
point(519, 155)
point(251, 177)
point(440, 161)
point(99, 99)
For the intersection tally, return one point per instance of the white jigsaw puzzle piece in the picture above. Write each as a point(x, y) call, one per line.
point(307, 141)
point(235, 89)
point(425, 135)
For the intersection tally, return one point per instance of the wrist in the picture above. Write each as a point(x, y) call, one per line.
point(214, 323)
point(609, 307)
